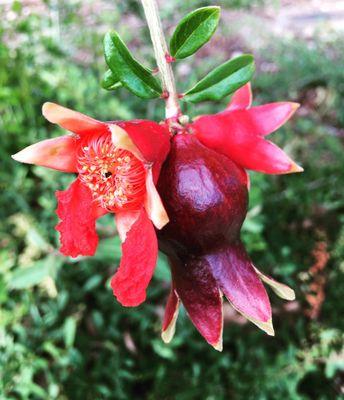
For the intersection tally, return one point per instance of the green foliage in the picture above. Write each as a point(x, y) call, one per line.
point(110, 81)
point(193, 31)
point(223, 80)
point(128, 71)
point(24, 278)
point(64, 336)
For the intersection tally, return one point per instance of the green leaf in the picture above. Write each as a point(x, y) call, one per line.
point(223, 80)
point(162, 350)
point(193, 31)
point(92, 283)
point(110, 81)
point(24, 278)
point(69, 331)
point(134, 76)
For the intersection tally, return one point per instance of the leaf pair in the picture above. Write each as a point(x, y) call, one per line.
point(193, 31)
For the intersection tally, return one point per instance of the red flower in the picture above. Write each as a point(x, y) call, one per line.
point(118, 164)
point(204, 186)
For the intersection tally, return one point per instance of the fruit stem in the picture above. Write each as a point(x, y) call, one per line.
point(163, 58)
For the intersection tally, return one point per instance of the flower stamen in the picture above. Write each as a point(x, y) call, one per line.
point(115, 176)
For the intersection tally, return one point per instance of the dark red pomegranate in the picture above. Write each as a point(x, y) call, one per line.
point(203, 185)
point(205, 196)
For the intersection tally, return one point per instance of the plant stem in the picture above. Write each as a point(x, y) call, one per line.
point(172, 108)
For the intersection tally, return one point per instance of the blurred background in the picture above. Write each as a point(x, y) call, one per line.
point(62, 334)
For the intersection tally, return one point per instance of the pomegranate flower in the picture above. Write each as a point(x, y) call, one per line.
point(204, 187)
point(239, 133)
point(118, 164)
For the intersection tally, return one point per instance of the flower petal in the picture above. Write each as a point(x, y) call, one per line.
point(72, 120)
point(151, 138)
point(98, 210)
point(201, 298)
point(170, 316)
point(124, 222)
point(282, 290)
point(239, 282)
point(122, 140)
point(247, 150)
point(78, 214)
point(242, 98)
point(134, 136)
point(58, 153)
point(153, 203)
point(139, 256)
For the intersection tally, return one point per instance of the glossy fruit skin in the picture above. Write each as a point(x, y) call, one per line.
point(205, 196)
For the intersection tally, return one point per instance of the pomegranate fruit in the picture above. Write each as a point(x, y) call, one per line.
point(204, 188)
point(205, 195)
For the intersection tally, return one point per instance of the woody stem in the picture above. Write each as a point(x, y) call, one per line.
point(162, 56)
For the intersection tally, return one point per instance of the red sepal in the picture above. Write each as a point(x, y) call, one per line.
point(170, 309)
point(201, 297)
point(236, 277)
point(170, 316)
point(261, 120)
point(230, 135)
point(241, 99)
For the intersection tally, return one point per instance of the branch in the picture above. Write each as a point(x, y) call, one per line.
point(162, 56)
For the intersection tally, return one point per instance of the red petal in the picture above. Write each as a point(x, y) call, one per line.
point(153, 204)
point(124, 221)
point(201, 298)
point(139, 255)
point(233, 270)
point(98, 210)
point(152, 139)
point(170, 316)
point(247, 150)
point(57, 153)
point(78, 214)
point(241, 99)
point(72, 120)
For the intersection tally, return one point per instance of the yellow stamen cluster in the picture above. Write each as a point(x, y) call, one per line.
point(115, 176)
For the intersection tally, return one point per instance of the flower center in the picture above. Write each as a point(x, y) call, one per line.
point(115, 176)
